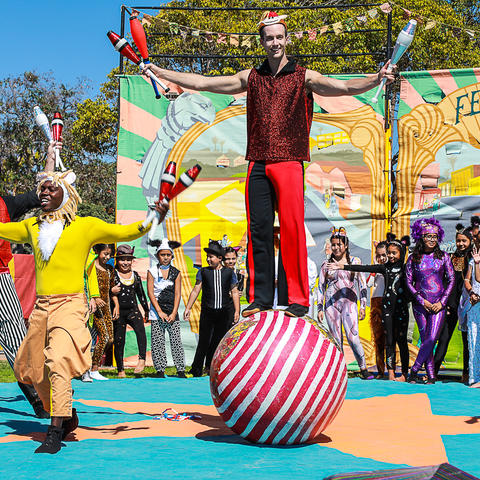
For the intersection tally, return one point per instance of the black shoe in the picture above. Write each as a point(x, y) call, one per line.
point(39, 410)
point(296, 310)
point(195, 373)
point(160, 375)
point(413, 378)
point(181, 374)
point(70, 425)
point(53, 441)
point(254, 308)
point(366, 375)
point(430, 380)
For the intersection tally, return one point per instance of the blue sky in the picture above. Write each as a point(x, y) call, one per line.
point(67, 37)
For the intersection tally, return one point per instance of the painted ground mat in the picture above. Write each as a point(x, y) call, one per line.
point(382, 425)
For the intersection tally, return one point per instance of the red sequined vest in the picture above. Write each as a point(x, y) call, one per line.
point(279, 115)
point(5, 250)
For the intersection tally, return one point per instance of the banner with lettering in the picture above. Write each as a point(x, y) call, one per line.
point(438, 171)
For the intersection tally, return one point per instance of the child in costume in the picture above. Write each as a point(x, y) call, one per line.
point(128, 287)
point(102, 318)
point(430, 279)
point(230, 261)
point(472, 287)
point(57, 345)
point(338, 293)
point(460, 261)
point(394, 301)
point(377, 281)
point(217, 283)
point(164, 285)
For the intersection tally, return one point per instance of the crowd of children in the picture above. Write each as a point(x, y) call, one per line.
point(442, 290)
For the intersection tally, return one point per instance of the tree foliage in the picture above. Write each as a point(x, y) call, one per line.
point(89, 138)
point(437, 48)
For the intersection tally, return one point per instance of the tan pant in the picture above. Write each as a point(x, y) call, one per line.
point(55, 350)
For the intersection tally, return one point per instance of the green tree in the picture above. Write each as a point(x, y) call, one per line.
point(89, 138)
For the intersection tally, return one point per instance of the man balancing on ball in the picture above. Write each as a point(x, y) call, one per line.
point(57, 345)
point(279, 117)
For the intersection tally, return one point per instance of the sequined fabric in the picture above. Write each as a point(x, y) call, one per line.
point(425, 280)
point(279, 115)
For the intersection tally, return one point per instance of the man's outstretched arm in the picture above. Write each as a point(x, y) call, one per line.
point(229, 84)
point(332, 87)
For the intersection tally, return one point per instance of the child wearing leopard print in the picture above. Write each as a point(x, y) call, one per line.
point(164, 284)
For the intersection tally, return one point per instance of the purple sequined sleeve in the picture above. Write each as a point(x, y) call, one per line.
point(409, 275)
point(450, 274)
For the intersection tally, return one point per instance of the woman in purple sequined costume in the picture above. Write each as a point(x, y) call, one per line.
point(430, 279)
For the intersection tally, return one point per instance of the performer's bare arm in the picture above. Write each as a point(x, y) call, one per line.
point(50, 161)
point(191, 300)
point(332, 87)
point(216, 84)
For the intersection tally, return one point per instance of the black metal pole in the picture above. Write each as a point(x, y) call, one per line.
point(122, 34)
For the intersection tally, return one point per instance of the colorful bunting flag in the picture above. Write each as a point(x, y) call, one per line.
point(430, 24)
point(373, 13)
point(386, 7)
point(323, 30)
point(312, 34)
point(234, 40)
point(222, 38)
point(298, 35)
point(337, 28)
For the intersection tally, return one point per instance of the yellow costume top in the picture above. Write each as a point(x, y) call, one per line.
point(63, 272)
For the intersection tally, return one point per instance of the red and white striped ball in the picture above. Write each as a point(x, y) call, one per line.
point(278, 380)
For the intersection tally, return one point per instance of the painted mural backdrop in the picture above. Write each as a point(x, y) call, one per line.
point(344, 182)
point(439, 157)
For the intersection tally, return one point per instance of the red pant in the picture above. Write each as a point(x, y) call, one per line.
point(269, 185)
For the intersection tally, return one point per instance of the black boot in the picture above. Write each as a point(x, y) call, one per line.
point(413, 377)
point(70, 425)
point(53, 441)
point(32, 396)
point(430, 380)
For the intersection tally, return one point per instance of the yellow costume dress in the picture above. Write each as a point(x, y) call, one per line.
point(57, 345)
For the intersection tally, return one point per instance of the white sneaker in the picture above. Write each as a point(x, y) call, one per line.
point(96, 375)
point(86, 377)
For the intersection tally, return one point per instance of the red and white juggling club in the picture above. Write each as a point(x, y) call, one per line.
point(57, 129)
point(168, 179)
point(186, 179)
point(125, 49)
point(140, 39)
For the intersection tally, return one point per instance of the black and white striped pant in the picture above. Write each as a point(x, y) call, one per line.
point(159, 353)
point(12, 325)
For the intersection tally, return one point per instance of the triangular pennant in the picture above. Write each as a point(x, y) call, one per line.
point(373, 13)
point(386, 7)
point(173, 27)
point(222, 38)
point(470, 33)
point(337, 28)
point(183, 33)
point(209, 37)
point(323, 30)
point(349, 24)
point(430, 24)
point(234, 40)
point(147, 19)
point(247, 42)
point(312, 34)
point(195, 33)
point(362, 19)
point(299, 35)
